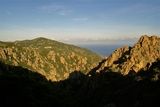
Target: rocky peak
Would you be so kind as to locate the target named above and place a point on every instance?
(143, 38)
(146, 40)
(140, 56)
(117, 54)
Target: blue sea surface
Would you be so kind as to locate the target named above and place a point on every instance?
(106, 47)
(101, 49)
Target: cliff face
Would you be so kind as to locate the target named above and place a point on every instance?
(50, 58)
(140, 56)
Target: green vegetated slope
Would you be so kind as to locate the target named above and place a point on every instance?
(53, 59)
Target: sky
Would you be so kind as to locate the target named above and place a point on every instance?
(78, 19)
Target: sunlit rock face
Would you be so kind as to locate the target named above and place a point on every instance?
(140, 56)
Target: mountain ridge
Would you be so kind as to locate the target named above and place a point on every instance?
(126, 59)
(106, 88)
(53, 59)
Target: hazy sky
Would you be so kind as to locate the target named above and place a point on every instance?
(78, 19)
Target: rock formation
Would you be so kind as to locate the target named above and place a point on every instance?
(126, 59)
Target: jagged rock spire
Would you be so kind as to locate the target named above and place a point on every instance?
(140, 56)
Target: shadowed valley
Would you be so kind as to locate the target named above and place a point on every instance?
(109, 84)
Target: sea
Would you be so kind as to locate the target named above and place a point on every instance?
(103, 50)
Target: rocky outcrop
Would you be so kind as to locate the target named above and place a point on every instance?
(140, 56)
(50, 58)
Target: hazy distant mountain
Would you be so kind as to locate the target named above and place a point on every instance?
(141, 56)
(50, 58)
(99, 41)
